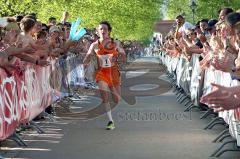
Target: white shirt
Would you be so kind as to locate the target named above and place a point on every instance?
(185, 26)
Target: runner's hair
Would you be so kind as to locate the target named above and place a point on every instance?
(107, 24)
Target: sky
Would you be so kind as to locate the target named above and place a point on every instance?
(164, 9)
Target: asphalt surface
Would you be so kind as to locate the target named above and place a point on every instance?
(149, 124)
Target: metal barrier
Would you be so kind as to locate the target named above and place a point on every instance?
(191, 83)
(25, 95)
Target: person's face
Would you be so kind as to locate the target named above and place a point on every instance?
(222, 15)
(53, 22)
(44, 28)
(203, 26)
(171, 40)
(54, 34)
(192, 35)
(180, 21)
(87, 44)
(103, 31)
(41, 41)
(237, 33)
(36, 28)
(11, 36)
(198, 30)
(61, 27)
(225, 30)
(213, 30)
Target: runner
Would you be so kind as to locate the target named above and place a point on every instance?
(108, 52)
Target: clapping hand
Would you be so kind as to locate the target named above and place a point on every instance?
(222, 98)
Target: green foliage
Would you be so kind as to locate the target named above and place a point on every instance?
(130, 19)
(205, 9)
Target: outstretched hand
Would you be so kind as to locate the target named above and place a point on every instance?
(224, 64)
(43, 63)
(28, 50)
(222, 98)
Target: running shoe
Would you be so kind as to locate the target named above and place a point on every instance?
(110, 125)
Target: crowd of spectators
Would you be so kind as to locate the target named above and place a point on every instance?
(133, 49)
(26, 38)
(218, 43)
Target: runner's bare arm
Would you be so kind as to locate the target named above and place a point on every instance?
(90, 54)
(121, 51)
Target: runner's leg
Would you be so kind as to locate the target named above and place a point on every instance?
(116, 93)
(103, 88)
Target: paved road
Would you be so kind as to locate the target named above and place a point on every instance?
(153, 126)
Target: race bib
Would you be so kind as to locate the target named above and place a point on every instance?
(105, 60)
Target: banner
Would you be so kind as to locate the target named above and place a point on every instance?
(26, 94)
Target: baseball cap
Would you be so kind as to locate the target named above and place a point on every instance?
(54, 29)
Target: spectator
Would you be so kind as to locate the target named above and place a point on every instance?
(192, 39)
(229, 46)
(203, 27)
(182, 26)
(45, 28)
(65, 16)
(31, 17)
(41, 39)
(25, 39)
(55, 42)
(52, 21)
(19, 18)
(223, 13)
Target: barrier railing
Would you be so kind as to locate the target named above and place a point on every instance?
(196, 83)
(25, 95)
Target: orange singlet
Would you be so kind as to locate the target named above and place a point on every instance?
(108, 68)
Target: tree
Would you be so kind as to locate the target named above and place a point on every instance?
(205, 9)
(131, 20)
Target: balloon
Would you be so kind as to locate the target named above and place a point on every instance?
(79, 34)
(72, 30)
(76, 34)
